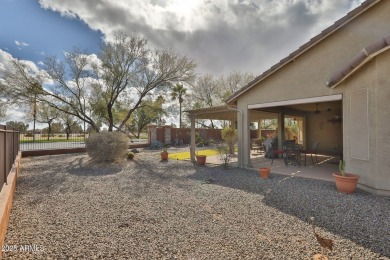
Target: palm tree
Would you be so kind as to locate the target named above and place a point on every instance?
(178, 92)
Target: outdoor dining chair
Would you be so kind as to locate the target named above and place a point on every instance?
(292, 153)
(312, 151)
(276, 152)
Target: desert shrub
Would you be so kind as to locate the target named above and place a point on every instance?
(200, 144)
(130, 155)
(107, 146)
(198, 138)
(156, 145)
(229, 135)
(224, 154)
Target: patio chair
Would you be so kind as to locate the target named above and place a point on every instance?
(257, 145)
(275, 151)
(292, 153)
(312, 151)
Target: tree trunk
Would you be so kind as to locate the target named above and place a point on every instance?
(110, 118)
(48, 132)
(180, 115)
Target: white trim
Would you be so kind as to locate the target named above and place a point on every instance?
(366, 60)
(297, 101)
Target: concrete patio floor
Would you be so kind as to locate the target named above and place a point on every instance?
(327, 164)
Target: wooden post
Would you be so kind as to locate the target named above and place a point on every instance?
(192, 146)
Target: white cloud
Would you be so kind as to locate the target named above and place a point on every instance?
(221, 35)
(21, 44)
(5, 61)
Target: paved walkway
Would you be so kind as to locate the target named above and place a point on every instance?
(327, 165)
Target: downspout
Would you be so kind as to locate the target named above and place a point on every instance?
(240, 144)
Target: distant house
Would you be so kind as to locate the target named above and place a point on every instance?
(337, 85)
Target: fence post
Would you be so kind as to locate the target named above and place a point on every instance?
(152, 133)
(167, 134)
(5, 155)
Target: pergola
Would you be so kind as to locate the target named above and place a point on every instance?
(211, 113)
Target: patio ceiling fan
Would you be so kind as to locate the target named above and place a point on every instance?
(317, 111)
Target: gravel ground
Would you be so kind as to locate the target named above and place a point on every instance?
(66, 207)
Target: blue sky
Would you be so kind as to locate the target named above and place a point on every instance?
(30, 32)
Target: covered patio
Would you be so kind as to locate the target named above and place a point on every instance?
(327, 161)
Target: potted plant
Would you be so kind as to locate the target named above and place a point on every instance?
(130, 155)
(164, 154)
(345, 182)
(201, 159)
(264, 172)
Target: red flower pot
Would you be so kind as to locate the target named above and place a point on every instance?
(201, 159)
(264, 172)
(164, 156)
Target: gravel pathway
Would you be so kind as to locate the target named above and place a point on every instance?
(66, 207)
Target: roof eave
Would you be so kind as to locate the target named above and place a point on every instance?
(343, 77)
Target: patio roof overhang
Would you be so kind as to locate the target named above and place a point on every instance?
(216, 113)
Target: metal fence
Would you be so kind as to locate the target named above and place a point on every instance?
(9, 148)
(40, 141)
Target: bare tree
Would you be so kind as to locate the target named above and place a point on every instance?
(70, 123)
(3, 102)
(22, 85)
(99, 89)
(205, 93)
(148, 112)
(232, 83)
(162, 69)
(209, 90)
(69, 92)
(47, 114)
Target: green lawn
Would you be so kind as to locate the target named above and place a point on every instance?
(186, 155)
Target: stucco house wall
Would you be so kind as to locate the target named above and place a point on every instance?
(328, 135)
(373, 78)
(306, 77)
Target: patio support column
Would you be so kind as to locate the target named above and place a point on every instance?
(239, 122)
(280, 129)
(192, 146)
(246, 161)
(240, 138)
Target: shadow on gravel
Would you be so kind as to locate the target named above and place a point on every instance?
(83, 166)
(361, 217)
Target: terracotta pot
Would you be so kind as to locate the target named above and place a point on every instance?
(264, 172)
(346, 184)
(164, 156)
(201, 159)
